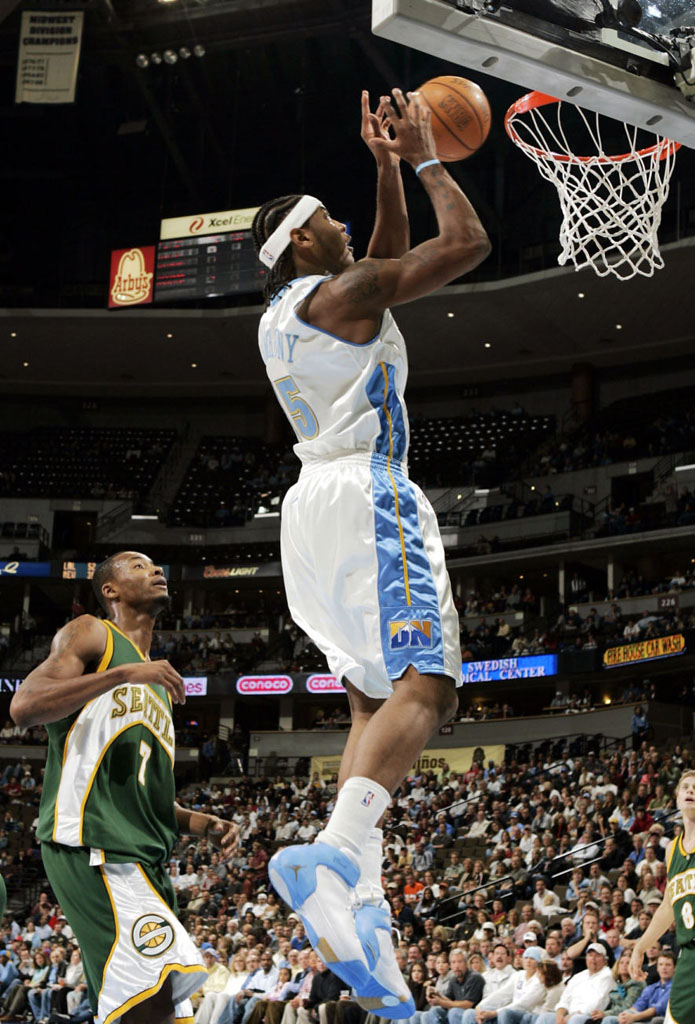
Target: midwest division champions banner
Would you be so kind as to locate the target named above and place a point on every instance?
(49, 52)
(457, 759)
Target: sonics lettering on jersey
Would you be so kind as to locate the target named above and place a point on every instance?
(682, 885)
(277, 343)
(140, 701)
(410, 633)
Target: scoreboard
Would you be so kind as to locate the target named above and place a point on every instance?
(206, 266)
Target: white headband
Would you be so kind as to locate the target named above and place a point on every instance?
(274, 247)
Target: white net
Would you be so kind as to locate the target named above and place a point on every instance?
(611, 205)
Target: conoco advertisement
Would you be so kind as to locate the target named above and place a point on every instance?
(132, 272)
(264, 685)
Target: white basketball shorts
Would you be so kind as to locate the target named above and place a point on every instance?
(363, 565)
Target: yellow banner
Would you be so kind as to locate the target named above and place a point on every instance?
(645, 650)
(208, 223)
(458, 760)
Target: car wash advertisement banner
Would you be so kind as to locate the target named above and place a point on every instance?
(452, 759)
(644, 650)
(49, 54)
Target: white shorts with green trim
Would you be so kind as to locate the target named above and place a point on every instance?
(151, 944)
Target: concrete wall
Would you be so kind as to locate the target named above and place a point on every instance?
(610, 721)
(16, 510)
(598, 477)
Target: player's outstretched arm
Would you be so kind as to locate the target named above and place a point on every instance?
(58, 687)
(391, 235)
(369, 287)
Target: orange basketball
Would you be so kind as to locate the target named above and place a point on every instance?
(460, 115)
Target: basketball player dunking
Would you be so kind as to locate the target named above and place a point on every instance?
(678, 904)
(362, 558)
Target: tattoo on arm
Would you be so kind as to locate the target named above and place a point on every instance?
(441, 183)
(363, 284)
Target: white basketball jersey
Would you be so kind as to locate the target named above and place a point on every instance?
(340, 397)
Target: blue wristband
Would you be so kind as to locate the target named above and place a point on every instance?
(426, 163)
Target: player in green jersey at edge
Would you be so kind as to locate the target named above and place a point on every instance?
(679, 905)
(108, 818)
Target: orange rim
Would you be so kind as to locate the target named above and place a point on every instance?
(533, 100)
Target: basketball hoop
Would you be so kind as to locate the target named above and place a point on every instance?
(611, 205)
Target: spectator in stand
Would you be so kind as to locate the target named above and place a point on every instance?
(234, 992)
(218, 974)
(16, 999)
(287, 1012)
(279, 993)
(418, 985)
(462, 992)
(413, 888)
(495, 977)
(578, 588)
(454, 868)
(518, 991)
(325, 987)
(624, 993)
(640, 727)
(653, 1000)
(591, 934)
(585, 992)
(42, 998)
(546, 903)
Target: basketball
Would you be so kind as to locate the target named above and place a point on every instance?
(460, 116)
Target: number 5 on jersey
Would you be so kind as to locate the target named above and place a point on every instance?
(306, 424)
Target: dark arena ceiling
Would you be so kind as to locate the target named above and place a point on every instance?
(272, 107)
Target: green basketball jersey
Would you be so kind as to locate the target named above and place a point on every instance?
(109, 780)
(681, 889)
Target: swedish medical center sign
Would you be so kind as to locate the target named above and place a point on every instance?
(527, 666)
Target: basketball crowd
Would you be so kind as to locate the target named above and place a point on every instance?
(515, 888)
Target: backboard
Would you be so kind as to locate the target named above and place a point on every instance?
(567, 50)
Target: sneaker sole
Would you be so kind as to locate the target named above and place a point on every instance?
(294, 874)
(375, 997)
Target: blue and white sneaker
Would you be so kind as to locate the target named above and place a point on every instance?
(317, 881)
(386, 993)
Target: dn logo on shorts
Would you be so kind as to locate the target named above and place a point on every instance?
(152, 935)
(410, 633)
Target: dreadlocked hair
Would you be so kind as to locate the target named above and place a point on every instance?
(267, 219)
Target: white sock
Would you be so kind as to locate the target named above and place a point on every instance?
(369, 887)
(360, 804)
